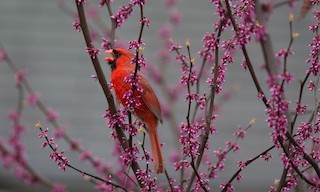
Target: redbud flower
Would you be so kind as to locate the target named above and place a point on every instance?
(170, 3)
(300, 109)
(52, 115)
(122, 15)
(58, 188)
(92, 51)
(145, 21)
(81, 1)
(59, 132)
(229, 187)
(33, 98)
(14, 115)
(310, 85)
(135, 44)
(76, 24)
(20, 75)
(106, 45)
(164, 32)
(3, 54)
(175, 17)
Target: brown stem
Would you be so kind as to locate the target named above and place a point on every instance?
(266, 45)
(168, 179)
(196, 107)
(293, 165)
(246, 56)
(305, 155)
(113, 24)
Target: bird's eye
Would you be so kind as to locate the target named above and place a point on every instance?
(117, 53)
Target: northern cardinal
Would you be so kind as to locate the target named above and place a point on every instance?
(149, 110)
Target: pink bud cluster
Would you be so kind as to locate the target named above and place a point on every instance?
(149, 184)
(122, 15)
(93, 52)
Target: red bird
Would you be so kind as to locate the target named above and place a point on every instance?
(149, 110)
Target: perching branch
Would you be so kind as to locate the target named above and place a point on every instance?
(101, 78)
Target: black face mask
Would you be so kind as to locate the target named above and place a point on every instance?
(113, 63)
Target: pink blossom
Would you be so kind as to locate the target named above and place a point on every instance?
(60, 158)
(130, 155)
(310, 85)
(181, 164)
(92, 12)
(104, 187)
(171, 3)
(75, 144)
(266, 156)
(94, 35)
(145, 21)
(314, 56)
(92, 51)
(138, 2)
(164, 32)
(76, 24)
(19, 76)
(52, 115)
(106, 45)
(59, 132)
(57, 187)
(175, 47)
(240, 133)
(174, 156)
(229, 187)
(175, 17)
(304, 131)
(85, 155)
(33, 98)
(103, 2)
(14, 115)
(149, 184)
(121, 15)
(3, 54)
(81, 1)
(301, 108)
(287, 77)
(135, 44)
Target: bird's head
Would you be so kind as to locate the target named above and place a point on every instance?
(119, 57)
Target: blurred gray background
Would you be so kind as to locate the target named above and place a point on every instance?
(38, 35)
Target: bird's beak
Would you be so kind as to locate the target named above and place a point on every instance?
(109, 59)
(110, 51)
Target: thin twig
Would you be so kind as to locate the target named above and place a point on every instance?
(246, 164)
(209, 112)
(188, 115)
(168, 178)
(113, 24)
(59, 155)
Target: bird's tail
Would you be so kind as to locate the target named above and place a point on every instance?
(155, 147)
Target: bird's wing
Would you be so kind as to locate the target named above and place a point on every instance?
(149, 98)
